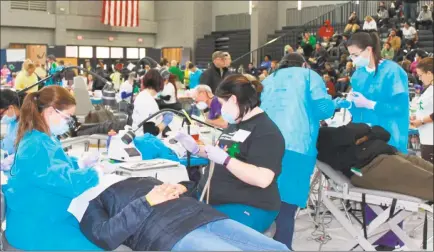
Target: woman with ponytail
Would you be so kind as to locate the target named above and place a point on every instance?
(380, 89)
(43, 179)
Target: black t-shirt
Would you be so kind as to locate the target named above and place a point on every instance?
(264, 147)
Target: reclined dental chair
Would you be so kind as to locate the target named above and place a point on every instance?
(5, 246)
(391, 209)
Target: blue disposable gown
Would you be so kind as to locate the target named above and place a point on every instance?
(151, 148)
(296, 100)
(389, 88)
(52, 71)
(8, 142)
(43, 182)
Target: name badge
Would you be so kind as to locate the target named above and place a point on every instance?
(240, 136)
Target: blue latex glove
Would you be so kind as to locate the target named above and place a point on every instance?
(125, 95)
(216, 154)
(361, 101)
(7, 162)
(167, 118)
(188, 142)
(88, 160)
(341, 103)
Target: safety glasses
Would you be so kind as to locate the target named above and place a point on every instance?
(68, 118)
(353, 56)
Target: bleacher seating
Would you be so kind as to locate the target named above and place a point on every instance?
(426, 40)
(236, 42)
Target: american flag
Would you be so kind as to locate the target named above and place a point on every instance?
(120, 13)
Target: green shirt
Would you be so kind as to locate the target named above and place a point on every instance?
(178, 72)
(387, 54)
(312, 41)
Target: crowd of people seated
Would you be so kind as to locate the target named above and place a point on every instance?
(401, 44)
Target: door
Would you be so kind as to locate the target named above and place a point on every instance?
(172, 54)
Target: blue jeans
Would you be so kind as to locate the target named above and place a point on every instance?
(285, 223)
(227, 235)
(410, 11)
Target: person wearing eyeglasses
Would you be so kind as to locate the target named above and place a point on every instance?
(9, 114)
(380, 89)
(44, 179)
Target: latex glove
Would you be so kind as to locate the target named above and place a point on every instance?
(89, 159)
(342, 103)
(361, 101)
(125, 95)
(99, 169)
(167, 118)
(216, 154)
(188, 142)
(7, 162)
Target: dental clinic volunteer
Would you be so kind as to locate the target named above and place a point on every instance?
(43, 180)
(380, 89)
(247, 157)
(9, 113)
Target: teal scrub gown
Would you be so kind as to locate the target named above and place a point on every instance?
(296, 100)
(42, 184)
(389, 88)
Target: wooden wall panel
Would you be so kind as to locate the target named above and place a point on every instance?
(37, 53)
(172, 54)
(72, 61)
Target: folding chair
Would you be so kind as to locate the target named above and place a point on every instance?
(399, 207)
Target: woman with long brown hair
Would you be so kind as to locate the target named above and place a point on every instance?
(43, 179)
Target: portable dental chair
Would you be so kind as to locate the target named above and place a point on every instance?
(398, 208)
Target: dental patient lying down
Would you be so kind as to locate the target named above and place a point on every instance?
(145, 214)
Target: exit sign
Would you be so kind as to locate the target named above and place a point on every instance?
(111, 38)
(79, 37)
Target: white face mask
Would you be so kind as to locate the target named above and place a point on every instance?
(201, 105)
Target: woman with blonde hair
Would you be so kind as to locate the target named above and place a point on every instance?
(40, 70)
(27, 77)
(369, 24)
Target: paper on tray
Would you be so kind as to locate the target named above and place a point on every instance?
(78, 205)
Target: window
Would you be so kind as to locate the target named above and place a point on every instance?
(71, 51)
(116, 52)
(142, 53)
(103, 52)
(15, 55)
(29, 5)
(85, 52)
(132, 53)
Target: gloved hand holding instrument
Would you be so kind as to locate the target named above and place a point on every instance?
(88, 160)
(213, 153)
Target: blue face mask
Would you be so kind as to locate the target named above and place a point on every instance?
(8, 119)
(59, 129)
(228, 118)
(361, 61)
